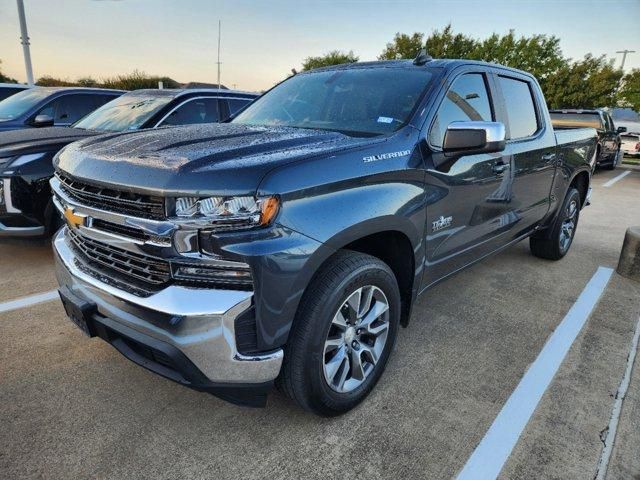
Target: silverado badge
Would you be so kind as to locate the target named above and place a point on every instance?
(74, 220)
(442, 222)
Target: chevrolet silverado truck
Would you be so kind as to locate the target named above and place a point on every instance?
(26, 210)
(288, 245)
(609, 141)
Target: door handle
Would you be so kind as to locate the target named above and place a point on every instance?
(499, 167)
(548, 157)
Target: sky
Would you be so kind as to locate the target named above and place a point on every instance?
(263, 40)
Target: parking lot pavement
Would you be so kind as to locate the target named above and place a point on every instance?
(74, 408)
(26, 268)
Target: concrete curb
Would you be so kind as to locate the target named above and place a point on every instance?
(629, 263)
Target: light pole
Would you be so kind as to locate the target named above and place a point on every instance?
(624, 56)
(24, 39)
(218, 62)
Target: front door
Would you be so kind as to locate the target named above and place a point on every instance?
(468, 198)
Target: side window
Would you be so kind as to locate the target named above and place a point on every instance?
(609, 120)
(466, 100)
(200, 110)
(521, 111)
(68, 109)
(236, 104)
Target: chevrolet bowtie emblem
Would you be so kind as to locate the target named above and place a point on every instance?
(74, 220)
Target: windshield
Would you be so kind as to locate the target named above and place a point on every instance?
(20, 103)
(127, 112)
(357, 101)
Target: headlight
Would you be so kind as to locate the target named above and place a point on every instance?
(229, 213)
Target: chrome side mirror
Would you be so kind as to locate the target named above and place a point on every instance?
(470, 138)
(42, 120)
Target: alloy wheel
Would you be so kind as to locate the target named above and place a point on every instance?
(568, 227)
(356, 339)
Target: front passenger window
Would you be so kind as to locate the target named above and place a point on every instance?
(466, 100)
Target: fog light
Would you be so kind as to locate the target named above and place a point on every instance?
(238, 276)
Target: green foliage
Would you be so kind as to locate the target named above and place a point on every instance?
(630, 90)
(591, 82)
(588, 83)
(403, 46)
(87, 82)
(335, 57)
(132, 81)
(49, 81)
(4, 78)
(136, 81)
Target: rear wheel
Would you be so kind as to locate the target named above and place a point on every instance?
(554, 244)
(343, 334)
(614, 161)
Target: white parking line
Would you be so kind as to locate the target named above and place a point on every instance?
(27, 301)
(617, 178)
(494, 449)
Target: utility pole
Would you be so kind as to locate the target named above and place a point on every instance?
(624, 56)
(218, 62)
(24, 39)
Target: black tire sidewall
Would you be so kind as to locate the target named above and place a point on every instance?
(321, 397)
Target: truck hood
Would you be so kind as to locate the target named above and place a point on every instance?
(35, 140)
(211, 159)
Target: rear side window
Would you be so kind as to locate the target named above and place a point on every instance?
(200, 110)
(236, 104)
(521, 110)
(68, 109)
(466, 100)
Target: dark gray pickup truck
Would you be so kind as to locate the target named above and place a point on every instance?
(290, 244)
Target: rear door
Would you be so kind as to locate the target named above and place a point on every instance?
(469, 210)
(531, 146)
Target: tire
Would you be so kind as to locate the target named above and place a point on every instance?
(554, 243)
(613, 164)
(319, 341)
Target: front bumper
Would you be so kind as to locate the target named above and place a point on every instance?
(193, 327)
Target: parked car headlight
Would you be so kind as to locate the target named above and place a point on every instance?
(229, 212)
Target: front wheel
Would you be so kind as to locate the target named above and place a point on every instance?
(343, 334)
(554, 244)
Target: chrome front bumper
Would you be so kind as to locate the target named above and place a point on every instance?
(198, 322)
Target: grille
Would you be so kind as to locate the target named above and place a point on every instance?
(150, 271)
(128, 203)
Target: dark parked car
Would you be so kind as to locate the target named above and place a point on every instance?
(291, 243)
(48, 106)
(8, 89)
(609, 141)
(25, 155)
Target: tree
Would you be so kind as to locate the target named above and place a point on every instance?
(335, 57)
(630, 91)
(403, 46)
(588, 83)
(591, 82)
(49, 81)
(138, 80)
(4, 78)
(87, 82)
